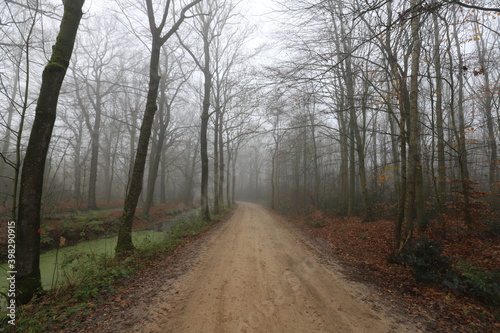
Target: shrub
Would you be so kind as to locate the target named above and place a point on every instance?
(493, 225)
(427, 261)
(482, 284)
(316, 219)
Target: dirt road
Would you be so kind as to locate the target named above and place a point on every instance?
(257, 275)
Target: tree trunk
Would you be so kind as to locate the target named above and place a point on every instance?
(157, 151)
(360, 148)
(188, 192)
(77, 164)
(221, 158)
(352, 176)
(19, 134)
(356, 140)
(28, 280)
(274, 162)
(216, 156)
(5, 154)
(414, 132)
(374, 139)
(163, 180)
(228, 173)
(124, 242)
(441, 159)
(94, 160)
(95, 132)
(395, 154)
(316, 194)
(488, 111)
(205, 210)
(233, 186)
(419, 194)
(401, 88)
(345, 201)
(463, 159)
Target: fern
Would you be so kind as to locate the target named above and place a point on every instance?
(481, 283)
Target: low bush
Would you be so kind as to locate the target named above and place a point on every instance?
(429, 265)
(427, 261)
(493, 224)
(481, 284)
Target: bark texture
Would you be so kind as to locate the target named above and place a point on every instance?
(28, 281)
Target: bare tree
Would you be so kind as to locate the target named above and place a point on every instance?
(159, 38)
(172, 80)
(21, 23)
(28, 280)
(210, 24)
(95, 78)
(413, 145)
(486, 55)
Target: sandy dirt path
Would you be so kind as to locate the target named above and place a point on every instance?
(257, 275)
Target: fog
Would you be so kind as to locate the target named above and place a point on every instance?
(307, 104)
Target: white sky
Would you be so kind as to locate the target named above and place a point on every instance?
(260, 13)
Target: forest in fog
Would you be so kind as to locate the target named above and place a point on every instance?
(380, 109)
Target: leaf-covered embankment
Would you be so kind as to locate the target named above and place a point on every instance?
(454, 302)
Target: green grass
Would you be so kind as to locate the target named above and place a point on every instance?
(91, 276)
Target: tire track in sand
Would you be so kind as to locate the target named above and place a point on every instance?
(256, 275)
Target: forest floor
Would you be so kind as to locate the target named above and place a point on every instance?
(364, 250)
(254, 272)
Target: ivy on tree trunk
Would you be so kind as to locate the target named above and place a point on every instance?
(124, 242)
(28, 279)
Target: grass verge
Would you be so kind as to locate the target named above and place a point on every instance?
(94, 277)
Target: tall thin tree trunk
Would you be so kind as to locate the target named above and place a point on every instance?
(274, 162)
(4, 181)
(124, 242)
(18, 160)
(216, 156)
(441, 172)
(463, 159)
(233, 187)
(205, 210)
(352, 176)
(413, 144)
(357, 138)
(375, 148)
(345, 201)
(190, 179)
(488, 111)
(19, 134)
(221, 158)
(94, 159)
(77, 165)
(395, 154)
(163, 179)
(228, 173)
(157, 150)
(28, 279)
(316, 189)
(401, 88)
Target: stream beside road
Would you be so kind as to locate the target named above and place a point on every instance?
(58, 265)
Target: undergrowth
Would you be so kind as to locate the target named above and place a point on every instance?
(430, 265)
(92, 276)
(455, 272)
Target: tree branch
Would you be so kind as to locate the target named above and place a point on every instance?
(466, 5)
